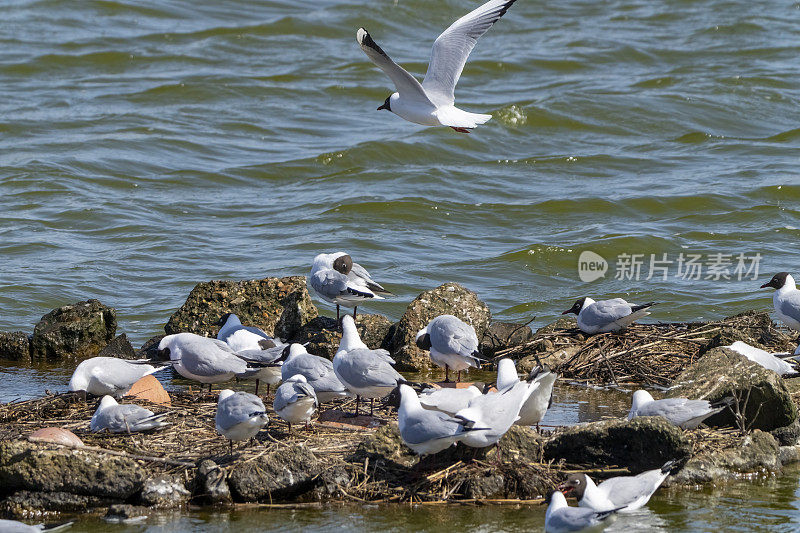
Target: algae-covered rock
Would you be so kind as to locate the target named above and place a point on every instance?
(25, 503)
(119, 347)
(164, 492)
(15, 346)
(74, 331)
(280, 474)
(450, 298)
(279, 306)
(542, 350)
(323, 337)
(788, 435)
(501, 335)
(721, 373)
(639, 444)
(386, 444)
(46, 468)
(756, 328)
(757, 452)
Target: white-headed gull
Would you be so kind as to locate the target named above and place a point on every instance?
(625, 493)
(561, 518)
(130, 418)
(494, 413)
(426, 431)
(448, 400)
(110, 375)
(295, 401)
(431, 103)
(607, 315)
(681, 412)
(539, 401)
(318, 372)
(203, 359)
(13, 526)
(240, 415)
(366, 373)
(241, 338)
(786, 299)
(453, 344)
(764, 358)
(337, 279)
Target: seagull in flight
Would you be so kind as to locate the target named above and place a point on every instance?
(431, 103)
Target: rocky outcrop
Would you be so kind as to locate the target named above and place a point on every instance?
(450, 298)
(756, 452)
(542, 350)
(119, 347)
(164, 492)
(74, 331)
(15, 346)
(45, 468)
(25, 503)
(502, 335)
(280, 474)
(640, 444)
(761, 394)
(756, 328)
(279, 306)
(323, 336)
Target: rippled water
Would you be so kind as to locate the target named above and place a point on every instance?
(146, 146)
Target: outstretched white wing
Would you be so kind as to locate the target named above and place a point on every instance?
(452, 47)
(406, 84)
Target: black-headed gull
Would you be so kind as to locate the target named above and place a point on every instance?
(681, 412)
(130, 418)
(561, 518)
(423, 430)
(625, 493)
(786, 299)
(539, 401)
(607, 315)
(431, 103)
(241, 338)
(295, 401)
(366, 373)
(240, 415)
(337, 279)
(203, 359)
(110, 375)
(448, 400)
(764, 358)
(13, 526)
(318, 372)
(494, 412)
(453, 344)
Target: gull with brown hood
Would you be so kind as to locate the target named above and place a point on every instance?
(786, 299)
(607, 315)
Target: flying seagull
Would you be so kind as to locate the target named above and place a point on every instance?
(431, 103)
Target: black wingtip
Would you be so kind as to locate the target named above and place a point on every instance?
(671, 467)
(635, 308)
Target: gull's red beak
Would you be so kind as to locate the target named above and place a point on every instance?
(764, 286)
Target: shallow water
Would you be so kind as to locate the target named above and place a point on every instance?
(146, 146)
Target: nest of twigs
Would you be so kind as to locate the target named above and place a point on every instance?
(645, 354)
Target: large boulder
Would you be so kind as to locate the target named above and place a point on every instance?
(15, 346)
(542, 349)
(45, 468)
(501, 335)
(640, 444)
(323, 336)
(279, 306)
(280, 474)
(74, 331)
(119, 347)
(720, 373)
(756, 452)
(753, 327)
(447, 299)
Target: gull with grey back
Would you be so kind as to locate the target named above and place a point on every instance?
(607, 315)
(240, 415)
(681, 412)
(561, 518)
(128, 418)
(786, 299)
(453, 344)
(110, 375)
(366, 373)
(295, 401)
(432, 102)
(337, 279)
(318, 372)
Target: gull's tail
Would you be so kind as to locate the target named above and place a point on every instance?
(458, 118)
